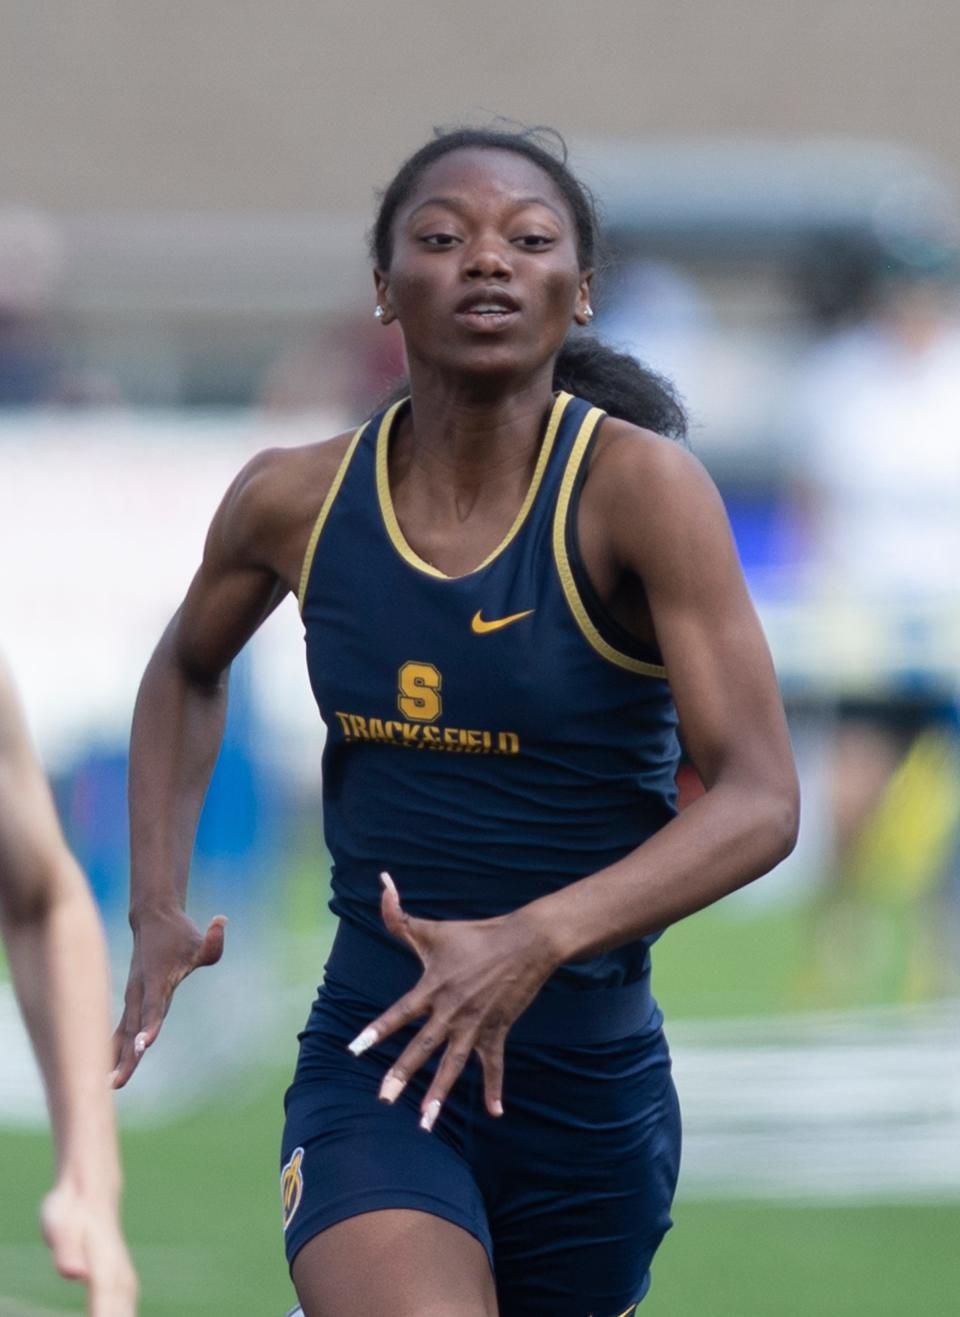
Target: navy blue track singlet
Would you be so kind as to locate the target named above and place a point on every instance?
(486, 742)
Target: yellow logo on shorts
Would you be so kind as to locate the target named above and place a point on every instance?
(291, 1186)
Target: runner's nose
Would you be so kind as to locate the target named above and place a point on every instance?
(486, 259)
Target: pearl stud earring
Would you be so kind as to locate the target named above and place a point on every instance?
(378, 311)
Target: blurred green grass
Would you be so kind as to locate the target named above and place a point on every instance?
(202, 1200)
(202, 1213)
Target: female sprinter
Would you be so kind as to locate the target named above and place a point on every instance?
(509, 600)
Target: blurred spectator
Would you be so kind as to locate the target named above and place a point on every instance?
(835, 279)
(32, 369)
(346, 368)
(31, 263)
(877, 417)
(655, 311)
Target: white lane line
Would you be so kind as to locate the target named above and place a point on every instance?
(850, 1105)
(864, 1105)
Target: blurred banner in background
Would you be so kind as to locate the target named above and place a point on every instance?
(183, 281)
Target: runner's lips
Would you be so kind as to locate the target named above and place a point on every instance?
(492, 297)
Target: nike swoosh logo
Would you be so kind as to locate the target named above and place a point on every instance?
(480, 628)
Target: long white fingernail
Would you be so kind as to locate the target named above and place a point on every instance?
(429, 1117)
(389, 884)
(112, 1077)
(498, 1108)
(140, 1044)
(363, 1040)
(391, 1088)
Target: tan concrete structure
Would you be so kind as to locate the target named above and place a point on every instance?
(306, 105)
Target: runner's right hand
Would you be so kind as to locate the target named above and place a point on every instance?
(167, 947)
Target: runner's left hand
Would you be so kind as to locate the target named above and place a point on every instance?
(478, 977)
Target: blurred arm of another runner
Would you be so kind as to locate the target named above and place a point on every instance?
(58, 961)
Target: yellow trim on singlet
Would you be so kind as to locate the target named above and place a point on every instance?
(577, 608)
(322, 517)
(390, 516)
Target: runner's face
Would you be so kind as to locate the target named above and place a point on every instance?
(484, 277)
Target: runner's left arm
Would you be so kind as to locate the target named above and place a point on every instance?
(666, 524)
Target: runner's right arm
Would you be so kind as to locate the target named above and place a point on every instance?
(177, 730)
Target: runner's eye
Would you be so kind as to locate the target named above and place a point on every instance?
(534, 241)
(439, 239)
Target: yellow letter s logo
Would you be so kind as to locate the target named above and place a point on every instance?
(419, 691)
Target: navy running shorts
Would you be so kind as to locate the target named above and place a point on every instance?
(569, 1192)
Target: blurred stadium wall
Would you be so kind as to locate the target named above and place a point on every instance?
(304, 106)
